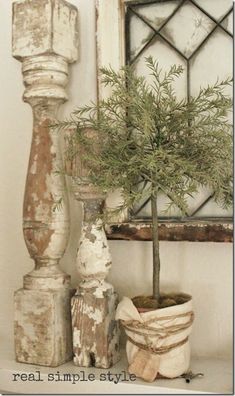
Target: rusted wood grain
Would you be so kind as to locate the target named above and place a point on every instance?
(190, 231)
(95, 330)
(45, 41)
(43, 326)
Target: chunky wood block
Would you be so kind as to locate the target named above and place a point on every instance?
(43, 326)
(44, 27)
(95, 331)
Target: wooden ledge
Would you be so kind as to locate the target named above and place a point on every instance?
(193, 231)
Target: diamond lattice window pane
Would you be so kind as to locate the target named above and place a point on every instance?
(140, 34)
(209, 59)
(188, 28)
(157, 14)
(228, 23)
(206, 69)
(162, 202)
(216, 8)
(166, 57)
(211, 209)
(194, 203)
(197, 200)
(215, 59)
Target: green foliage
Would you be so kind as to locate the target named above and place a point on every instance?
(147, 140)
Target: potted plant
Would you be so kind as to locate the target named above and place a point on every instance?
(147, 141)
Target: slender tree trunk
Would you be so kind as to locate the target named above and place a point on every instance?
(156, 257)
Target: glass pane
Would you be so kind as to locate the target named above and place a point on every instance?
(166, 57)
(216, 8)
(198, 199)
(228, 23)
(140, 34)
(194, 203)
(187, 29)
(213, 60)
(162, 203)
(211, 209)
(206, 69)
(156, 14)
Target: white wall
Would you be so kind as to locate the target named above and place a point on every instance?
(202, 269)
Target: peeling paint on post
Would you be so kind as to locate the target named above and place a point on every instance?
(45, 40)
(95, 330)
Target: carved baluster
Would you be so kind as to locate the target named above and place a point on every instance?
(95, 331)
(45, 41)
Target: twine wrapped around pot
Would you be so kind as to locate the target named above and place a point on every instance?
(157, 341)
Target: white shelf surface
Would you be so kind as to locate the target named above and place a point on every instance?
(218, 379)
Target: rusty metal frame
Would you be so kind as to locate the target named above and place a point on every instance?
(203, 231)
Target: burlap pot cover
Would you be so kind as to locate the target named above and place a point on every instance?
(157, 342)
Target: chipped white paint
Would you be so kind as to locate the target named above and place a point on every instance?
(45, 40)
(94, 314)
(64, 30)
(42, 327)
(45, 26)
(110, 47)
(101, 290)
(94, 259)
(76, 338)
(33, 167)
(95, 331)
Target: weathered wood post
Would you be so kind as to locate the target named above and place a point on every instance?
(95, 331)
(45, 40)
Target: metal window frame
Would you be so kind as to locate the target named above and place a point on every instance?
(110, 34)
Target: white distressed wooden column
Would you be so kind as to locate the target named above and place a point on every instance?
(95, 330)
(45, 40)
